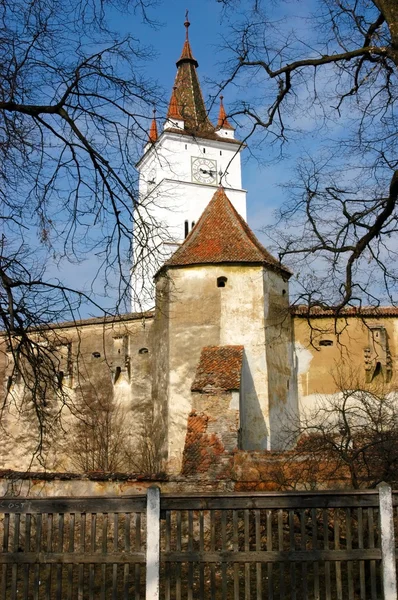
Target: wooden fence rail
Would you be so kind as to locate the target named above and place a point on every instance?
(330, 545)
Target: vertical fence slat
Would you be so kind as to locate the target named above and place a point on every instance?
(292, 564)
(235, 545)
(326, 547)
(212, 547)
(224, 547)
(371, 542)
(246, 517)
(303, 545)
(315, 547)
(257, 516)
(93, 534)
(80, 584)
(49, 569)
(280, 548)
(178, 547)
(152, 543)
(190, 548)
(167, 547)
(269, 548)
(336, 528)
(28, 528)
(127, 549)
(138, 546)
(349, 547)
(115, 549)
(38, 549)
(71, 548)
(14, 568)
(60, 549)
(6, 533)
(388, 564)
(104, 551)
(361, 562)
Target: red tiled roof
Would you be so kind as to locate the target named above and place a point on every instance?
(153, 132)
(222, 116)
(304, 311)
(219, 369)
(222, 236)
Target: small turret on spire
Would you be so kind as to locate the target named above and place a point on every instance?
(153, 132)
(222, 122)
(174, 111)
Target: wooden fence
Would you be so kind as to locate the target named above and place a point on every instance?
(297, 546)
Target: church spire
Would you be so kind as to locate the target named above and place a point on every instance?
(187, 95)
(153, 132)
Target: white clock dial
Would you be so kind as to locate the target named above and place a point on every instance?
(204, 170)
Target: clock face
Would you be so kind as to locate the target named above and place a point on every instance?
(204, 170)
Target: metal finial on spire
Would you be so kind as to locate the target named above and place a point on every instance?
(186, 23)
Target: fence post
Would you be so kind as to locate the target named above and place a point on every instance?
(388, 567)
(152, 543)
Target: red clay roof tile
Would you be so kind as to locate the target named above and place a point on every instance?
(222, 236)
(219, 369)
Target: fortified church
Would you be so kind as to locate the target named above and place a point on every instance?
(213, 364)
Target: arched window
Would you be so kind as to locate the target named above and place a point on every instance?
(221, 281)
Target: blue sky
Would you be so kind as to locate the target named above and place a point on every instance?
(165, 38)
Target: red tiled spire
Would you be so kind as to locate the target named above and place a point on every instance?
(188, 94)
(222, 117)
(222, 236)
(173, 112)
(153, 132)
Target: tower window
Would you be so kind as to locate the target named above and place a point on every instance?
(186, 146)
(221, 281)
(192, 224)
(204, 150)
(186, 228)
(220, 152)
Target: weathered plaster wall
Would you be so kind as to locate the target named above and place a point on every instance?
(282, 378)
(193, 322)
(322, 369)
(105, 365)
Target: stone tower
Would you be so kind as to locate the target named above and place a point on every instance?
(178, 173)
(223, 294)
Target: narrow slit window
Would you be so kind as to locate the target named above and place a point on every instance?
(192, 224)
(220, 152)
(204, 150)
(186, 228)
(326, 343)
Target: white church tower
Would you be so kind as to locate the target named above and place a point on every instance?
(178, 174)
